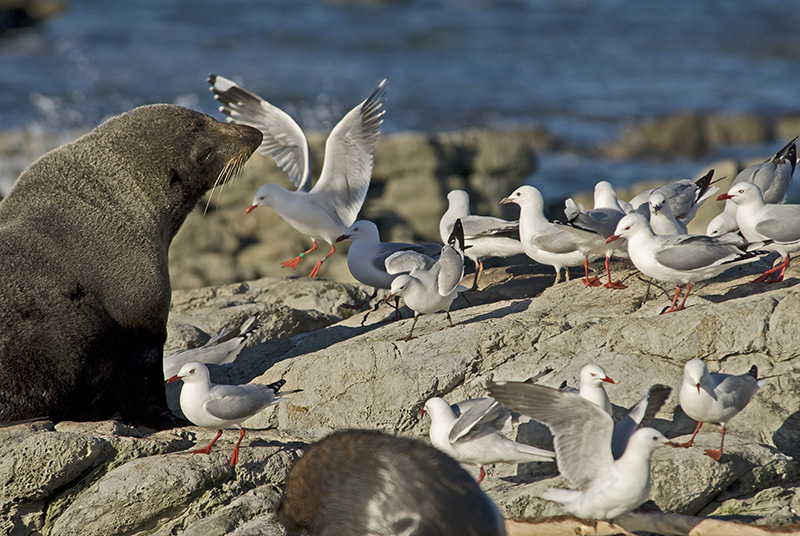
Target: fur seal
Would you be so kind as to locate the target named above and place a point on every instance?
(84, 239)
(368, 482)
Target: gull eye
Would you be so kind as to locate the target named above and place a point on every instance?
(741, 191)
(191, 371)
(355, 230)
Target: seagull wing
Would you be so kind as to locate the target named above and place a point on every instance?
(283, 139)
(478, 417)
(693, 252)
(347, 170)
(406, 261)
(239, 402)
(639, 415)
(582, 431)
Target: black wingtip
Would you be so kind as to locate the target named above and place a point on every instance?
(703, 183)
(457, 235)
(753, 371)
(275, 387)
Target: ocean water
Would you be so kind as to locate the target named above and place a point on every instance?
(582, 69)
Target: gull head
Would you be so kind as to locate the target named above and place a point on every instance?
(594, 375)
(629, 225)
(436, 407)
(743, 193)
(399, 285)
(191, 372)
(693, 372)
(362, 229)
(262, 198)
(657, 202)
(648, 439)
(525, 195)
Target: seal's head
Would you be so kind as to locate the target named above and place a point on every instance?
(188, 152)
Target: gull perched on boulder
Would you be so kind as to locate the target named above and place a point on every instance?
(715, 397)
(677, 259)
(219, 350)
(484, 236)
(325, 211)
(475, 436)
(543, 241)
(773, 177)
(209, 405)
(582, 439)
(766, 226)
(429, 288)
(366, 258)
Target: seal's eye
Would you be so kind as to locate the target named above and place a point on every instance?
(205, 156)
(174, 178)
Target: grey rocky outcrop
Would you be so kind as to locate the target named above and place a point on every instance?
(108, 478)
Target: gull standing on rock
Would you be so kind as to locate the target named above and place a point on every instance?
(366, 258)
(325, 211)
(662, 220)
(591, 388)
(766, 226)
(542, 240)
(582, 440)
(773, 177)
(209, 405)
(684, 196)
(219, 350)
(475, 436)
(715, 397)
(677, 259)
(484, 236)
(425, 288)
(591, 228)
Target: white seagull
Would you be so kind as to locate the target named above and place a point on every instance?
(582, 440)
(773, 177)
(677, 259)
(542, 240)
(662, 220)
(485, 236)
(766, 226)
(684, 196)
(591, 228)
(209, 405)
(219, 350)
(715, 397)
(475, 436)
(325, 211)
(366, 258)
(426, 288)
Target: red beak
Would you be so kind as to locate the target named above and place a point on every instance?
(388, 297)
(174, 378)
(723, 197)
(698, 388)
(611, 238)
(422, 411)
(343, 237)
(250, 209)
(608, 380)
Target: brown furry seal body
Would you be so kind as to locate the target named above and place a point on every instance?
(84, 285)
(356, 482)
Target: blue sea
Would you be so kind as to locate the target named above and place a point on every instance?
(582, 69)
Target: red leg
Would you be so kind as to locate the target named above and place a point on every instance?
(208, 448)
(478, 272)
(235, 456)
(589, 281)
(411, 333)
(612, 284)
(449, 319)
(294, 262)
(674, 300)
(481, 475)
(317, 266)
(683, 301)
(691, 441)
(765, 276)
(717, 454)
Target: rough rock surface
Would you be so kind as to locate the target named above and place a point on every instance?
(107, 478)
